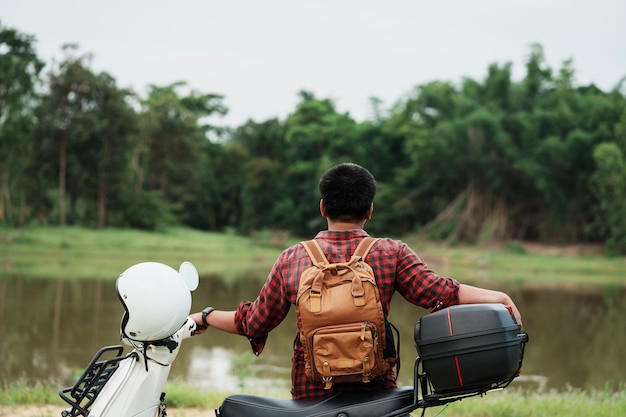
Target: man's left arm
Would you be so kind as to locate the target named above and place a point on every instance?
(222, 320)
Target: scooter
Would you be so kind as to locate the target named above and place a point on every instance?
(157, 300)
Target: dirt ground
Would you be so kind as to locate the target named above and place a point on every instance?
(55, 411)
(563, 250)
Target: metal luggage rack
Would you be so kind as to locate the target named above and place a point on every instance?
(422, 385)
(432, 398)
(90, 383)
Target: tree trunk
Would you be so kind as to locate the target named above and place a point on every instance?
(102, 183)
(5, 194)
(138, 169)
(62, 175)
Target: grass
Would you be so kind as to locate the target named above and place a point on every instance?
(507, 403)
(21, 393)
(513, 403)
(76, 253)
(546, 266)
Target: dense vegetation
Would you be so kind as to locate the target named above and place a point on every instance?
(541, 158)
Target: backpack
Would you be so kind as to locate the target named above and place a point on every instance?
(340, 318)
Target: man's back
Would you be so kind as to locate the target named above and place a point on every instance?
(395, 266)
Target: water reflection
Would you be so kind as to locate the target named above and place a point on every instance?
(52, 328)
(221, 369)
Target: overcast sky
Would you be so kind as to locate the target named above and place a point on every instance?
(260, 53)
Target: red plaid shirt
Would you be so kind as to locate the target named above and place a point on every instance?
(396, 268)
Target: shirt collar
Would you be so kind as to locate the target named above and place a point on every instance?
(341, 234)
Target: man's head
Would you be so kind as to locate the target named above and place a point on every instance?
(347, 192)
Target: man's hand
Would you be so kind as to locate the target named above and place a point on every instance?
(475, 295)
(200, 327)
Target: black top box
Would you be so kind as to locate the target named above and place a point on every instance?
(470, 346)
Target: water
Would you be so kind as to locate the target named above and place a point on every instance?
(52, 328)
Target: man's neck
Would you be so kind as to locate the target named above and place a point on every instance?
(341, 226)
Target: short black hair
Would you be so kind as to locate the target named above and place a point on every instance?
(348, 191)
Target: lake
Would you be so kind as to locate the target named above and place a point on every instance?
(52, 328)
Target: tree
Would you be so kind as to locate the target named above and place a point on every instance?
(609, 187)
(86, 121)
(19, 71)
(67, 119)
(117, 122)
(263, 171)
(167, 156)
(317, 137)
(502, 159)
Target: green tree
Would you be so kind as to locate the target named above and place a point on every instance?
(262, 173)
(418, 194)
(84, 124)
(66, 119)
(117, 124)
(172, 137)
(19, 71)
(502, 159)
(609, 187)
(317, 137)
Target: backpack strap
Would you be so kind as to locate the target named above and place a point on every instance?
(315, 252)
(319, 261)
(317, 255)
(364, 247)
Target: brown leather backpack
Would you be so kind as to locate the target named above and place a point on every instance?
(340, 318)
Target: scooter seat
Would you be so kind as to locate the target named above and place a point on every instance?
(353, 404)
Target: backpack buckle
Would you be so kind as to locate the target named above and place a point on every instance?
(358, 292)
(316, 301)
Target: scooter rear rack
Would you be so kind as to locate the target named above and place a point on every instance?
(84, 392)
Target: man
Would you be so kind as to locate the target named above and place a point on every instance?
(347, 192)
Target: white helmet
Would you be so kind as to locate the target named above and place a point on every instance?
(157, 299)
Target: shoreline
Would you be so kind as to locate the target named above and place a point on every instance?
(53, 410)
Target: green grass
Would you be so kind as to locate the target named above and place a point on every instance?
(513, 403)
(22, 393)
(551, 266)
(507, 403)
(76, 253)
(181, 395)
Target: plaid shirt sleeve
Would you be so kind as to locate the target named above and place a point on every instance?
(421, 286)
(256, 319)
(398, 268)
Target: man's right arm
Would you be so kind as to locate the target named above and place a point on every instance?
(474, 295)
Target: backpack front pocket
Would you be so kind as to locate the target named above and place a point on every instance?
(344, 353)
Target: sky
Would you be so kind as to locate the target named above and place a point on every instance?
(259, 54)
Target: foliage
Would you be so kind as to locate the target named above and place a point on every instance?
(19, 71)
(609, 186)
(489, 160)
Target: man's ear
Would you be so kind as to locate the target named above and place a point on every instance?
(322, 208)
(370, 211)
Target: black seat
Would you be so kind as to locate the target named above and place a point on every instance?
(352, 404)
